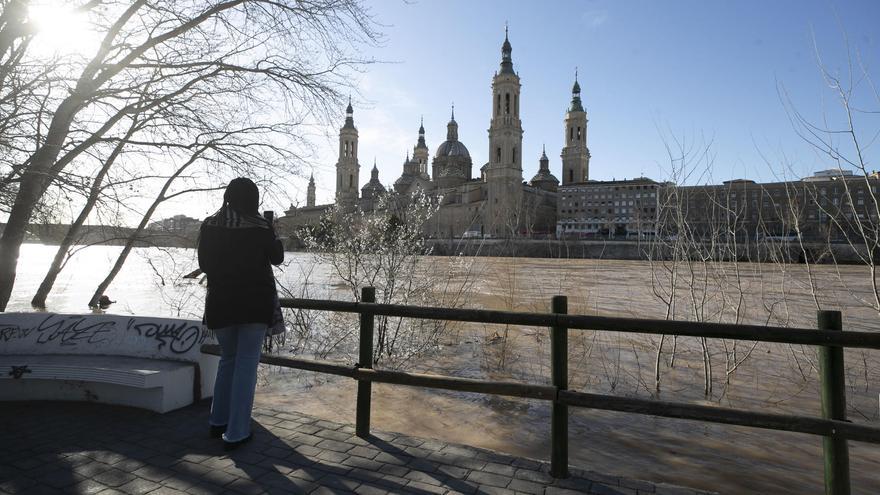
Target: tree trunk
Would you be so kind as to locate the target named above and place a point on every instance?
(657, 364)
(33, 184)
(39, 299)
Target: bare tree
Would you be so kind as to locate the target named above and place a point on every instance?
(386, 248)
(273, 61)
(843, 139)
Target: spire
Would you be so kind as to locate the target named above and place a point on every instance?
(452, 127)
(576, 105)
(349, 114)
(544, 163)
(374, 174)
(421, 143)
(310, 191)
(544, 179)
(506, 49)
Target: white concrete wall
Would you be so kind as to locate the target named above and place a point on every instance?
(110, 335)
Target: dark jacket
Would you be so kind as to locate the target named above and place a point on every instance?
(241, 286)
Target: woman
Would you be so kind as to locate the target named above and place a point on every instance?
(237, 248)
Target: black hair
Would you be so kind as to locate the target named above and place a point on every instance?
(243, 196)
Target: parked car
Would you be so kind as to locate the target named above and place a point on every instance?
(471, 234)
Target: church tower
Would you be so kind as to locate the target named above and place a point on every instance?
(575, 154)
(420, 152)
(310, 192)
(347, 166)
(504, 170)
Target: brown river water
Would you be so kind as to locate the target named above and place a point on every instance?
(769, 377)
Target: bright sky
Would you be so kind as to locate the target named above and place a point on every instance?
(688, 68)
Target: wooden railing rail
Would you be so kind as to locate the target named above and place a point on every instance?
(832, 426)
(784, 335)
(677, 410)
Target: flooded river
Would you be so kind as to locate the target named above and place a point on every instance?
(765, 377)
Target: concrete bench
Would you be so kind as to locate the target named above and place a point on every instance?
(151, 363)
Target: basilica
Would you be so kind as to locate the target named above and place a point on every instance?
(496, 202)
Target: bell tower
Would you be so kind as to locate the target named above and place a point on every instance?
(504, 170)
(347, 167)
(310, 192)
(575, 155)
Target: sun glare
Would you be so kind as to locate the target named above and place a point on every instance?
(61, 30)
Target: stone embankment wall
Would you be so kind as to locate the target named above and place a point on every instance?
(53, 234)
(635, 250)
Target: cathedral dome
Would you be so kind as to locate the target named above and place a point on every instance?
(452, 148)
(373, 188)
(544, 179)
(452, 161)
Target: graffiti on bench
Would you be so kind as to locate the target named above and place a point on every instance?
(102, 334)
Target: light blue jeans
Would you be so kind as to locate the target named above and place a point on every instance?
(236, 378)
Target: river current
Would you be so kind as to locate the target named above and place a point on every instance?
(770, 377)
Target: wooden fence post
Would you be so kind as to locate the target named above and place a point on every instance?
(559, 374)
(831, 371)
(365, 360)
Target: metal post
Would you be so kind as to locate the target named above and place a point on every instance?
(831, 371)
(559, 373)
(365, 360)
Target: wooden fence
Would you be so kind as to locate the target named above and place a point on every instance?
(830, 338)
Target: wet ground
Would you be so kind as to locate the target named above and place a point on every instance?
(112, 450)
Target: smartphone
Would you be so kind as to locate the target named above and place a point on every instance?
(269, 215)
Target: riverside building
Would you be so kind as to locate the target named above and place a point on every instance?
(829, 206)
(608, 209)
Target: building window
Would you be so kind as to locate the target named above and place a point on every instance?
(514, 154)
(579, 133)
(516, 104)
(498, 154)
(507, 103)
(498, 105)
(570, 175)
(350, 180)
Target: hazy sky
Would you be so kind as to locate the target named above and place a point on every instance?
(685, 69)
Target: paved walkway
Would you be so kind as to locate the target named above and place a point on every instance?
(89, 448)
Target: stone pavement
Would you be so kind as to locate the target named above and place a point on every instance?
(59, 447)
